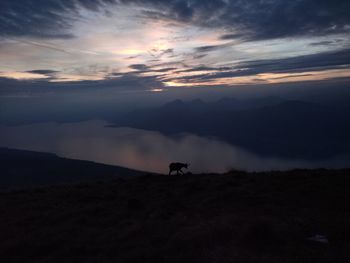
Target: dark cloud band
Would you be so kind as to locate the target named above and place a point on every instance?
(315, 62)
(246, 19)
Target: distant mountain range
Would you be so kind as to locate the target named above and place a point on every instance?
(269, 126)
(20, 168)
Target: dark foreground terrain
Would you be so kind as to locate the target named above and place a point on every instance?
(235, 217)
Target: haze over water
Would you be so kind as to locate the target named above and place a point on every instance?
(144, 150)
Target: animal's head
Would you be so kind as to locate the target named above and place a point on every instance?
(186, 165)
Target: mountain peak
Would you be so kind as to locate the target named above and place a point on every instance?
(174, 103)
(197, 101)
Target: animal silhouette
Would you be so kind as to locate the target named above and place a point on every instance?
(177, 167)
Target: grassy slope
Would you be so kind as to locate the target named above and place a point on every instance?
(236, 217)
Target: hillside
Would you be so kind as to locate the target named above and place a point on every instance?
(233, 217)
(20, 168)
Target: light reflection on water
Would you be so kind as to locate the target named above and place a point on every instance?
(143, 150)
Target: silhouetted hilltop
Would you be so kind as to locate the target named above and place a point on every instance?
(296, 216)
(20, 168)
(175, 104)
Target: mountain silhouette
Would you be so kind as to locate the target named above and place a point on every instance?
(269, 126)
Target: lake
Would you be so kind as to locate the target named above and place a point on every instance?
(145, 150)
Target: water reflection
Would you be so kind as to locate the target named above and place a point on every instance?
(143, 150)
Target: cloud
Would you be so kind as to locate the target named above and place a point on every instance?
(163, 70)
(159, 53)
(43, 18)
(278, 18)
(143, 68)
(247, 20)
(299, 64)
(139, 66)
(148, 77)
(182, 9)
(230, 36)
(257, 20)
(39, 19)
(43, 71)
(209, 48)
(318, 61)
(204, 68)
(252, 20)
(115, 81)
(199, 56)
(322, 43)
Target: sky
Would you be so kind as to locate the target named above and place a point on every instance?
(154, 46)
(71, 61)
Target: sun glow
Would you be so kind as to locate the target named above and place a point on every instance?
(178, 84)
(157, 90)
(22, 75)
(176, 53)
